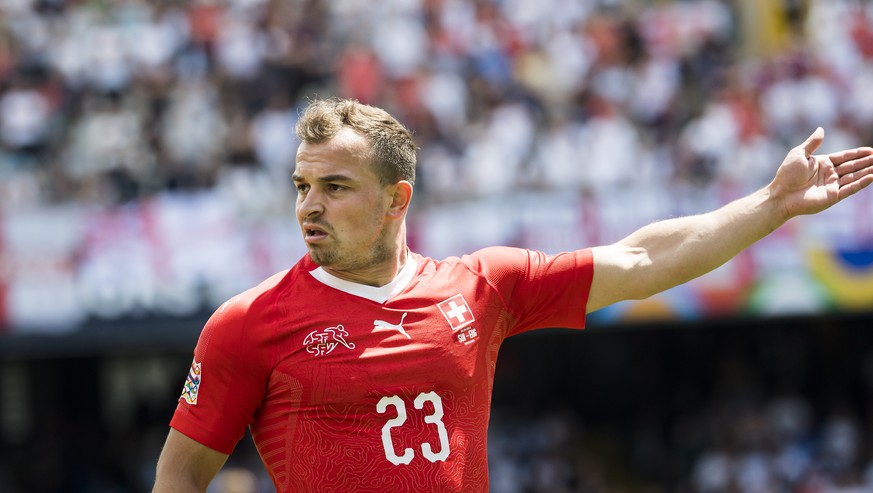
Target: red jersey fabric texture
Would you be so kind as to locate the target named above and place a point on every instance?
(348, 392)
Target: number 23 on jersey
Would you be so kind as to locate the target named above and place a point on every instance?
(435, 419)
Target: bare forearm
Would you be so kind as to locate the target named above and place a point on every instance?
(176, 485)
(674, 251)
(665, 254)
(179, 476)
(186, 466)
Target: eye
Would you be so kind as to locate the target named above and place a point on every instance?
(333, 187)
(302, 187)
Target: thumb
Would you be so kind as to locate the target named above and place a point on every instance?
(813, 141)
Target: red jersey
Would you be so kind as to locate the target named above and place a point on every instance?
(354, 388)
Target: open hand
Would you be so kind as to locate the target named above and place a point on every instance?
(807, 183)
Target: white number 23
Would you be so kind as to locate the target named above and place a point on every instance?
(434, 419)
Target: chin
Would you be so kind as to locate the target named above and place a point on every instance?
(316, 259)
(322, 258)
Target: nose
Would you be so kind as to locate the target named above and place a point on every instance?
(309, 204)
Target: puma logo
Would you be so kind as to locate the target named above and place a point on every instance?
(381, 324)
(321, 342)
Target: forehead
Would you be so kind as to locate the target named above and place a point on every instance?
(347, 150)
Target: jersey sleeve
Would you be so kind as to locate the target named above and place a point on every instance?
(226, 381)
(539, 290)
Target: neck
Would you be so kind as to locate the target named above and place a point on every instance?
(376, 274)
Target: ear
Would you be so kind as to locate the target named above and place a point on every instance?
(400, 199)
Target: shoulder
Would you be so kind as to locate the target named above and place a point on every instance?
(479, 258)
(255, 305)
(502, 264)
(251, 298)
(492, 265)
(502, 258)
(502, 254)
(522, 264)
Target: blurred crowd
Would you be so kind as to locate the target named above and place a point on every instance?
(154, 138)
(110, 102)
(760, 407)
(756, 408)
(753, 444)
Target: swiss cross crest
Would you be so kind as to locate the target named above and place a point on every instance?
(457, 312)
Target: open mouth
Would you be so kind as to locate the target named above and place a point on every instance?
(313, 234)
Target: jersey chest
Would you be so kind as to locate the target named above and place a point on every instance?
(401, 382)
(344, 351)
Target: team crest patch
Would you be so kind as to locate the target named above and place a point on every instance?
(324, 341)
(192, 383)
(457, 312)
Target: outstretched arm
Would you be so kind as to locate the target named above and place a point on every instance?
(186, 466)
(668, 253)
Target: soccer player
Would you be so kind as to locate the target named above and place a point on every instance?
(367, 367)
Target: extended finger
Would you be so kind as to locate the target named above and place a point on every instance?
(855, 186)
(813, 141)
(854, 176)
(850, 154)
(853, 165)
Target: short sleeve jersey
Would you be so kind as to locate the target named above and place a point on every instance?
(347, 387)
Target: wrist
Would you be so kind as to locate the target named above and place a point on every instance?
(774, 203)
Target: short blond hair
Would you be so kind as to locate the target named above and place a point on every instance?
(391, 142)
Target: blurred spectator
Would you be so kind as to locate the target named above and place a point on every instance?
(273, 138)
(24, 119)
(499, 83)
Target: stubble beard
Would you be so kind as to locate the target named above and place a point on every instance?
(334, 257)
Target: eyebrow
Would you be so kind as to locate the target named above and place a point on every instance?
(325, 178)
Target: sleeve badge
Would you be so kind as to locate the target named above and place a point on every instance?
(192, 383)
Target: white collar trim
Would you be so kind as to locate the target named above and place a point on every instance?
(378, 294)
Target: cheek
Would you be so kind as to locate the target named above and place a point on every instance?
(364, 221)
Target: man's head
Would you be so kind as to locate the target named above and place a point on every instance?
(353, 175)
(393, 151)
